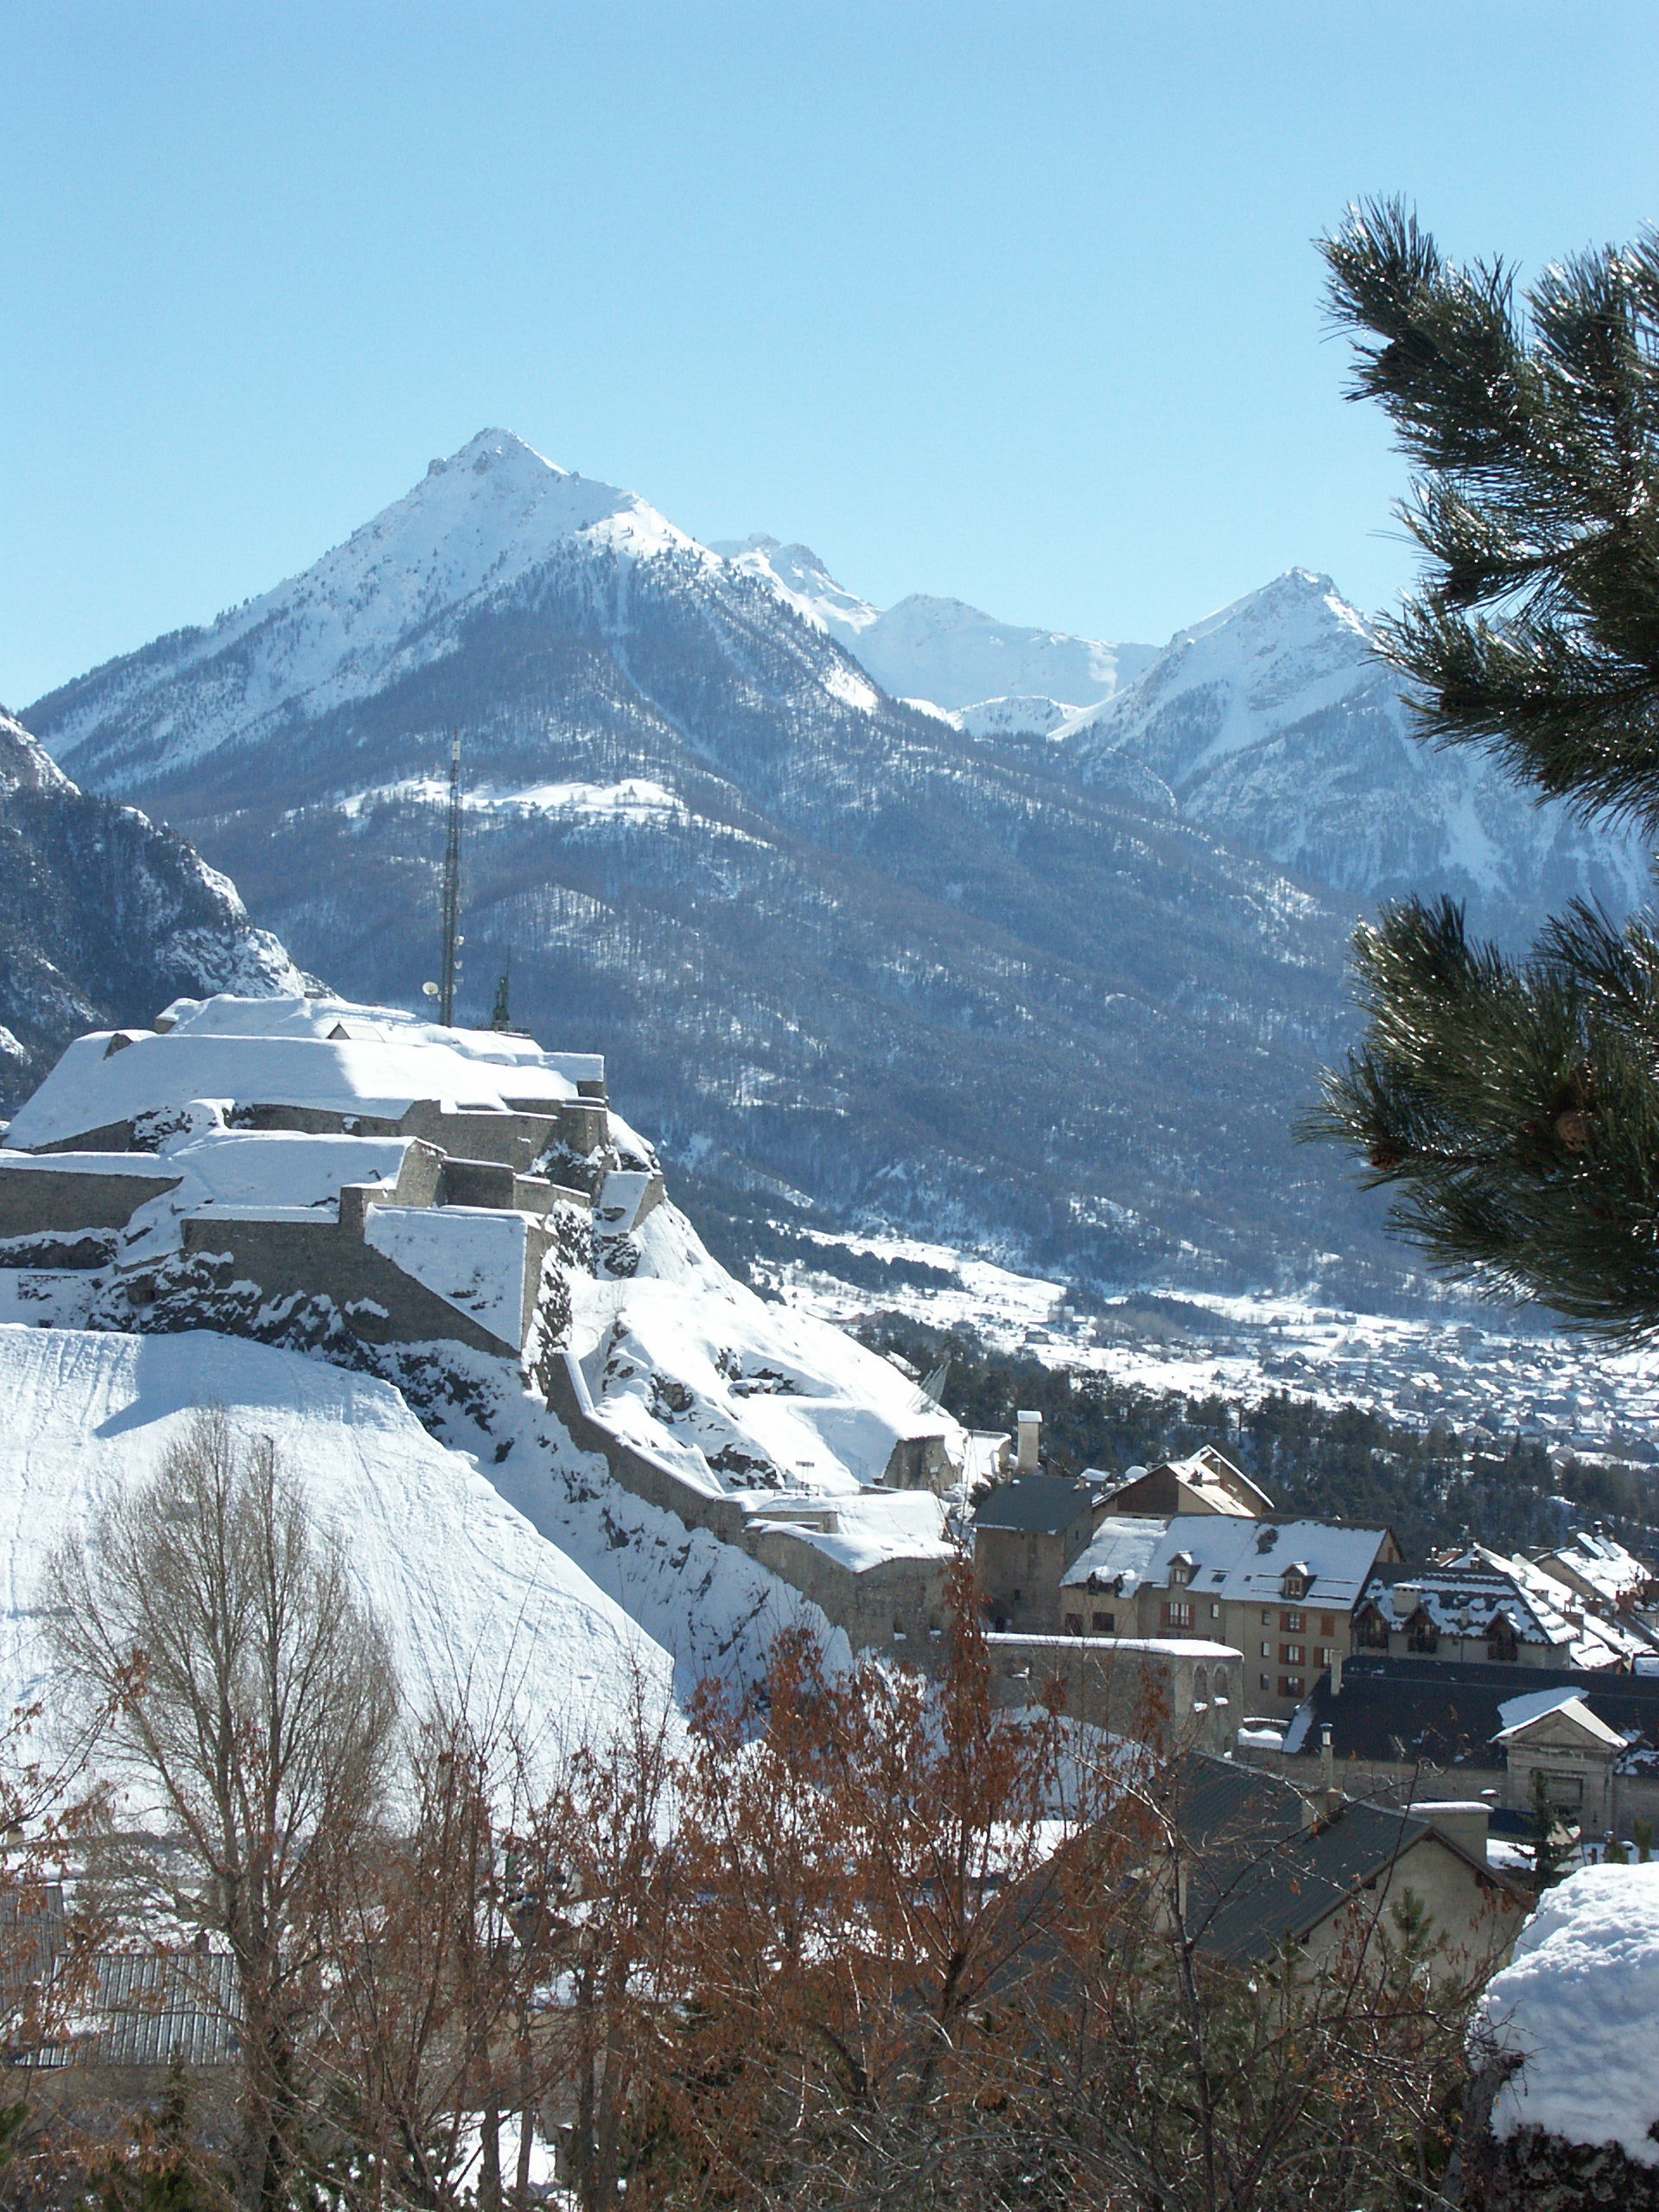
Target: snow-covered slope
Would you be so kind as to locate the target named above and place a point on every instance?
(103, 917)
(474, 1597)
(941, 650)
(1273, 724)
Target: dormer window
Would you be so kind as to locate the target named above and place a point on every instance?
(1182, 1569)
(1502, 1644)
(1421, 1635)
(1178, 1578)
(1296, 1579)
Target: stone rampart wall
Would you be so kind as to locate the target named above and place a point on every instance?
(894, 1604)
(301, 1259)
(39, 1199)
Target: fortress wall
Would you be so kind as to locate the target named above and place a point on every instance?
(377, 1300)
(894, 1605)
(34, 1199)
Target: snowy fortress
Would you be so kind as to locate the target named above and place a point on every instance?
(460, 1212)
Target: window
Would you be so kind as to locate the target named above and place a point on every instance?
(1267, 1681)
(1321, 1654)
(1290, 1686)
(1290, 1655)
(1267, 1651)
(1215, 1612)
(1178, 1578)
(1421, 1635)
(1502, 1644)
(1295, 1585)
(1074, 1624)
(1291, 1621)
(1327, 1624)
(1564, 1792)
(1105, 1624)
(1267, 1617)
(1178, 1615)
(1371, 1630)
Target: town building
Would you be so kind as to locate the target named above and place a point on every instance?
(1207, 1482)
(1282, 1592)
(1271, 1865)
(1610, 1580)
(1392, 1726)
(1479, 1605)
(1026, 1533)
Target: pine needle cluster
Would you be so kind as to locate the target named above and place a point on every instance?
(1512, 1105)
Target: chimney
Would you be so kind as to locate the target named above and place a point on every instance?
(1327, 1767)
(1336, 1672)
(1029, 1428)
(1464, 1820)
(1406, 1597)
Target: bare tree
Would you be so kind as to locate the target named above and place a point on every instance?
(240, 1679)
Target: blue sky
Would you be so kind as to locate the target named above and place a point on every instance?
(1011, 302)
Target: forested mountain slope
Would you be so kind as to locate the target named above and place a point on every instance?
(104, 917)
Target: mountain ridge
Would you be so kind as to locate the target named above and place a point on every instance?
(833, 945)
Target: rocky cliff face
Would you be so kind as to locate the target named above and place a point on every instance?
(104, 917)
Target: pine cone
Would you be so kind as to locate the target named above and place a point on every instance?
(1575, 1129)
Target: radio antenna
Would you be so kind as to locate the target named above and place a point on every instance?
(451, 937)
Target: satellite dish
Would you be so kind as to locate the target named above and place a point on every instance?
(430, 990)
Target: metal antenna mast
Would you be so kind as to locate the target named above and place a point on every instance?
(452, 939)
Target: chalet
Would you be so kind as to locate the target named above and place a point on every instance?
(1283, 1593)
(1026, 1533)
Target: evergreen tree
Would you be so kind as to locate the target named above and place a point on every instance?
(1512, 1105)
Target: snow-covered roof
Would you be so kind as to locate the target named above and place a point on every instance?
(1599, 1563)
(1519, 1712)
(229, 1016)
(1232, 1557)
(1464, 1596)
(1122, 1554)
(1578, 2002)
(320, 1053)
(472, 1256)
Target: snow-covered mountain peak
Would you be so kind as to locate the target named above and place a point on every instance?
(388, 601)
(796, 573)
(1301, 603)
(1291, 648)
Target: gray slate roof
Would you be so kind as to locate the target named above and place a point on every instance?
(1258, 1876)
(1037, 1505)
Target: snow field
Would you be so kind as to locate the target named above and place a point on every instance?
(475, 1601)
